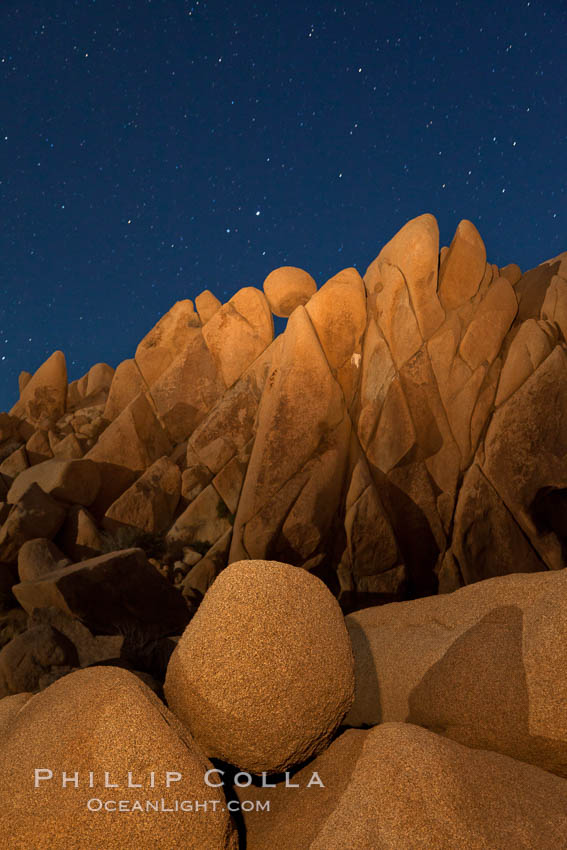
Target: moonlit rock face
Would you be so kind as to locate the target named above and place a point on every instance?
(287, 288)
(263, 674)
(103, 721)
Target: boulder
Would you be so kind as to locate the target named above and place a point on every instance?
(286, 288)
(201, 523)
(159, 348)
(109, 594)
(511, 272)
(531, 290)
(487, 540)
(150, 503)
(44, 395)
(38, 448)
(289, 434)
(194, 477)
(27, 657)
(91, 649)
(23, 380)
(69, 448)
(525, 456)
(463, 267)
(127, 383)
(409, 788)
(533, 342)
(188, 388)
(468, 666)
(108, 723)
(74, 481)
(395, 315)
(554, 307)
(239, 332)
(131, 443)
(492, 321)
(338, 314)
(269, 690)
(399, 786)
(38, 557)
(99, 380)
(207, 305)
(227, 429)
(36, 514)
(79, 536)
(15, 463)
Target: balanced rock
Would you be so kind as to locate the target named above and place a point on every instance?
(287, 288)
(107, 722)
(269, 689)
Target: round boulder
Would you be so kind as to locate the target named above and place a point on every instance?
(287, 288)
(263, 674)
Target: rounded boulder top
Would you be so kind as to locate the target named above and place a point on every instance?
(263, 674)
(287, 288)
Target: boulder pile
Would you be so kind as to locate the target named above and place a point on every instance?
(337, 553)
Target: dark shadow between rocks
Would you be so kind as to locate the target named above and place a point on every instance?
(367, 699)
(549, 513)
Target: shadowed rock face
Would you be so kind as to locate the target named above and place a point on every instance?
(404, 435)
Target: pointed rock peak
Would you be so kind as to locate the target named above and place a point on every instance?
(287, 288)
(207, 305)
(415, 251)
(463, 267)
(44, 394)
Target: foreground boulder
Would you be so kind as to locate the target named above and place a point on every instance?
(269, 688)
(107, 720)
(399, 787)
(484, 666)
(109, 594)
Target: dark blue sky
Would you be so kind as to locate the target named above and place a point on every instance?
(150, 150)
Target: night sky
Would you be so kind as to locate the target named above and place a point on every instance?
(154, 149)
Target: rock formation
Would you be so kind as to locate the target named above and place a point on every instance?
(403, 437)
(269, 690)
